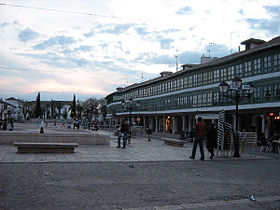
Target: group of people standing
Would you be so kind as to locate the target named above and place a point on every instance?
(201, 132)
(124, 133)
(7, 124)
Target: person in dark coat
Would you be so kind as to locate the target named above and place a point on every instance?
(211, 139)
(122, 133)
(5, 124)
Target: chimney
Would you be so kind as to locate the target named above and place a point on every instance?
(252, 43)
(165, 73)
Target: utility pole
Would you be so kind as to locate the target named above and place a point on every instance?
(176, 56)
(209, 48)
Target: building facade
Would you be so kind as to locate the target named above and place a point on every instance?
(173, 101)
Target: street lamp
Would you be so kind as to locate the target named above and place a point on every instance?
(236, 91)
(128, 105)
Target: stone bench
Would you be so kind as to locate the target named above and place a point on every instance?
(31, 147)
(174, 142)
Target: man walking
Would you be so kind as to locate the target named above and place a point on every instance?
(123, 133)
(200, 134)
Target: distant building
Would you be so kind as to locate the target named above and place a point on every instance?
(173, 101)
(7, 110)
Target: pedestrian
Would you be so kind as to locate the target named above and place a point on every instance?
(211, 139)
(12, 124)
(96, 126)
(5, 124)
(148, 131)
(122, 134)
(200, 135)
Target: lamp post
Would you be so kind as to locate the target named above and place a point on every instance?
(236, 91)
(129, 105)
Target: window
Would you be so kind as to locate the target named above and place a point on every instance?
(216, 76)
(231, 72)
(215, 98)
(204, 99)
(210, 77)
(267, 64)
(199, 79)
(257, 66)
(276, 91)
(169, 86)
(209, 99)
(199, 100)
(185, 82)
(248, 69)
(257, 94)
(173, 85)
(267, 91)
(195, 80)
(277, 62)
(224, 74)
(190, 102)
(239, 70)
(194, 101)
(205, 80)
(190, 81)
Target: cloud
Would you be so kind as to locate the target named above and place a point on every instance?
(116, 29)
(141, 31)
(89, 34)
(189, 57)
(152, 58)
(84, 48)
(53, 41)
(27, 35)
(55, 60)
(3, 25)
(165, 43)
(269, 25)
(185, 11)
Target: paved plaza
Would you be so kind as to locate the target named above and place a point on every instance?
(145, 175)
(139, 150)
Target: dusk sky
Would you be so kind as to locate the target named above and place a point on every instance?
(89, 48)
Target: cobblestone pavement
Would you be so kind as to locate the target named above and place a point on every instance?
(145, 175)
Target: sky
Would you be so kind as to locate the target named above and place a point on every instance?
(91, 47)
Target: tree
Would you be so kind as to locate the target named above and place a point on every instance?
(79, 110)
(73, 108)
(102, 107)
(90, 106)
(38, 110)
